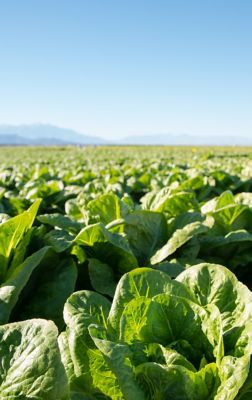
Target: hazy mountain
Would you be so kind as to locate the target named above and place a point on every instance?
(44, 134)
(13, 139)
(183, 139)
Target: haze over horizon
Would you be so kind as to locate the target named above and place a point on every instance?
(116, 69)
(47, 135)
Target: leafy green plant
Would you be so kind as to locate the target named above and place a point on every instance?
(160, 338)
(80, 220)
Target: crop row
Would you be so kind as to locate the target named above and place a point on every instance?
(126, 276)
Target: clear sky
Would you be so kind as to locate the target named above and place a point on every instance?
(114, 68)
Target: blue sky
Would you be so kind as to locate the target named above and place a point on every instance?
(114, 68)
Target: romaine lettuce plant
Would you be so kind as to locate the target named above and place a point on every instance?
(161, 339)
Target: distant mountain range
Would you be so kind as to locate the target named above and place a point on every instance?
(49, 135)
(44, 134)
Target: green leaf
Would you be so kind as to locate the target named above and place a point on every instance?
(225, 199)
(228, 215)
(117, 357)
(75, 383)
(59, 240)
(154, 352)
(167, 319)
(172, 268)
(13, 286)
(233, 373)
(246, 390)
(175, 382)
(185, 219)
(20, 252)
(31, 367)
(244, 198)
(56, 284)
(102, 277)
(146, 232)
(180, 237)
(42, 188)
(60, 221)
(141, 282)
(11, 233)
(111, 248)
(106, 208)
(215, 284)
(81, 310)
(174, 204)
(234, 237)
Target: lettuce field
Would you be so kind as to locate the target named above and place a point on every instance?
(126, 273)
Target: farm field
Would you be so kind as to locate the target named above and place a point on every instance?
(126, 273)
